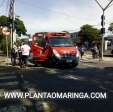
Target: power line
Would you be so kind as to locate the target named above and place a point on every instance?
(45, 9)
(67, 16)
(71, 24)
(55, 11)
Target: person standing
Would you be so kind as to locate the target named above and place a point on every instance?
(13, 55)
(20, 55)
(99, 50)
(25, 50)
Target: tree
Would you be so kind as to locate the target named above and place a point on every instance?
(1, 35)
(110, 28)
(19, 27)
(18, 24)
(3, 21)
(89, 33)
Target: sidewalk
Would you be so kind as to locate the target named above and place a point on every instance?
(4, 60)
(88, 58)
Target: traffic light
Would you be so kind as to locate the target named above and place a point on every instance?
(102, 30)
(102, 20)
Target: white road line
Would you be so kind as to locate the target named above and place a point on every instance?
(8, 83)
(87, 64)
(7, 73)
(7, 77)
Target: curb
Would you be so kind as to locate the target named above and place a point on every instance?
(89, 58)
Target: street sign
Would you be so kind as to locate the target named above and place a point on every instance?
(102, 30)
(5, 31)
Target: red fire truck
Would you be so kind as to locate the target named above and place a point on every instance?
(54, 48)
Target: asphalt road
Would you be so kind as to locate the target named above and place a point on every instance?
(87, 77)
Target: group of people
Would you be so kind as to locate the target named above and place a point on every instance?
(21, 53)
(95, 49)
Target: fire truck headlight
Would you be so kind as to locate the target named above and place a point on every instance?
(56, 54)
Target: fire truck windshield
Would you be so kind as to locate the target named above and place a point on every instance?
(60, 41)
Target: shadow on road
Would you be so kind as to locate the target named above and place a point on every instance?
(80, 79)
(11, 80)
(90, 79)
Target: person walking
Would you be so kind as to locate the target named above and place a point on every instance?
(94, 50)
(82, 50)
(25, 50)
(13, 55)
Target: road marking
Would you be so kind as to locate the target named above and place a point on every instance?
(9, 83)
(7, 77)
(71, 77)
(87, 64)
(111, 91)
(7, 73)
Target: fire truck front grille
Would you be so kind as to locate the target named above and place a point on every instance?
(67, 56)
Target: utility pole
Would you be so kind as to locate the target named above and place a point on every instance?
(103, 23)
(12, 19)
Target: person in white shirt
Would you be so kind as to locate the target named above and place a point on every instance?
(25, 49)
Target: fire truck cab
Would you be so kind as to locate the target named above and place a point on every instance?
(54, 48)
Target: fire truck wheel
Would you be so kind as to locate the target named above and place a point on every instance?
(51, 61)
(35, 62)
(74, 64)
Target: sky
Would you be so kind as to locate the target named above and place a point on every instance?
(60, 15)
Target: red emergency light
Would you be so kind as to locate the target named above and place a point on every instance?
(56, 34)
(39, 34)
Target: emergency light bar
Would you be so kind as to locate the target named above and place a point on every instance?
(57, 34)
(39, 34)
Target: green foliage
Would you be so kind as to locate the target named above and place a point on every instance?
(20, 41)
(89, 33)
(19, 27)
(110, 28)
(18, 24)
(1, 35)
(3, 44)
(3, 21)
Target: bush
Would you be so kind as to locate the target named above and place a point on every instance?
(3, 45)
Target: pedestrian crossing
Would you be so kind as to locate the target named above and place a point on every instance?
(88, 63)
(8, 80)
